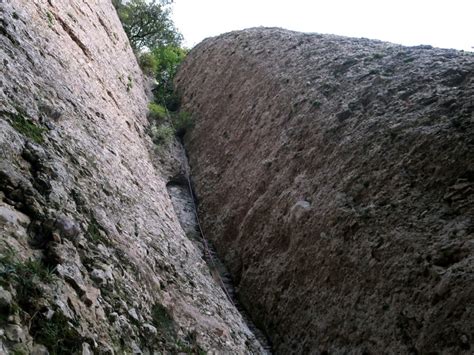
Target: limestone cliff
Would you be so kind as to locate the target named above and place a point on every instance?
(92, 257)
(335, 176)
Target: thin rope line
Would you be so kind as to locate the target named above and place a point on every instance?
(206, 246)
(204, 240)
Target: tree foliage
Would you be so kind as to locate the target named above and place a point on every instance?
(166, 61)
(157, 45)
(148, 25)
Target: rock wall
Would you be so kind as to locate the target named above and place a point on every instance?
(92, 257)
(335, 177)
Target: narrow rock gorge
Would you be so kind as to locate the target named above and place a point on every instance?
(335, 178)
(93, 259)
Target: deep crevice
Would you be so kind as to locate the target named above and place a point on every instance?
(181, 191)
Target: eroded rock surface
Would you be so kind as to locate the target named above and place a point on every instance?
(92, 256)
(335, 177)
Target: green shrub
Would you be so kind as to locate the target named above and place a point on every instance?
(168, 59)
(156, 111)
(148, 24)
(162, 134)
(156, 43)
(27, 278)
(148, 63)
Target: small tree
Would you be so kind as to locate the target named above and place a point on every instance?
(148, 25)
(156, 43)
(167, 59)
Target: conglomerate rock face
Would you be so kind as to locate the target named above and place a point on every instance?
(92, 257)
(335, 177)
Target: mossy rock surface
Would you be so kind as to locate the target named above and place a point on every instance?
(27, 128)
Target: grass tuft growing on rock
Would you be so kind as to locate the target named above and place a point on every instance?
(24, 274)
(27, 128)
(57, 334)
(27, 278)
(166, 125)
(95, 233)
(162, 135)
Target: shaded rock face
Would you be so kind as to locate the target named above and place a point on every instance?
(335, 177)
(92, 256)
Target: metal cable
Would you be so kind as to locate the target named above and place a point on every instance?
(206, 245)
(207, 250)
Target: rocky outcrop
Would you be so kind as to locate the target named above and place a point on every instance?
(92, 257)
(335, 177)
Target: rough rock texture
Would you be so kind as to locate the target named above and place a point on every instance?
(92, 257)
(335, 177)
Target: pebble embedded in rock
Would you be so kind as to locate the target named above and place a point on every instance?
(5, 298)
(67, 227)
(15, 333)
(39, 349)
(98, 276)
(133, 313)
(150, 330)
(113, 316)
(86, 349)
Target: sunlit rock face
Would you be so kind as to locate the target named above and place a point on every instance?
(92, 257)
(335, 177)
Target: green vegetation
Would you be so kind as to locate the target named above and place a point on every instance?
(166, 125)
(26, 277)
(19, 349)
(163, 63)
(162, 134)
(50, 18)
(157, 112)
(57, 334)
(157, 45)
(27, 127)
(148, 24)
(94, 232)
(162, 320)
(148, 64)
